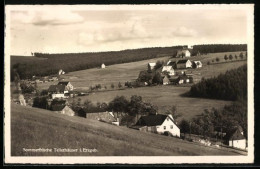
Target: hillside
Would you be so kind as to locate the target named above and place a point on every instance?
(44, 129)
(51, 63)
(84, 79)
(79, 61)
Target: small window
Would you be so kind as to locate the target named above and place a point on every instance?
(164, 127)
(167, 119)
(171, 126)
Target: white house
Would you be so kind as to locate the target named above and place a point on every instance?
(183, 64)
(58, 91)
(151, 66)
(183, 53)
(166, 80)
(61, 72)
(67, 84)
(168, 69)
(197, 64)
(158, 123)
(235, 138)
(103, 66)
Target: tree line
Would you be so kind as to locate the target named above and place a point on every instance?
(217, 48)
(212, 123)
(229, 86)
(44, 64)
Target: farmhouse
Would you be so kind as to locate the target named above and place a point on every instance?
(183, 64)
(63, 109)
(168, 69)
(159, 123)
(103, 66)
(67, 84)
(183, 53)
(102, 116)
(61, 72)
(196, 64)
(151, 66)
(235, 138)
(166, 80)
(58, 91)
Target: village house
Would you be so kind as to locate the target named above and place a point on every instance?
(58, 91)
(183, 64)
(158, 123)
(67, 84)
(235, 138)
(103, 66)
(63, 109)
(166, 80)
(103, 116)
(183, 53)
(168, 69)
(196, 64)
(151, 66)
(61, 72)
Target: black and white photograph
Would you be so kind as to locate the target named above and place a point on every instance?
(130, 84)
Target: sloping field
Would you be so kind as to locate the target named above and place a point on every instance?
(110, 75)
(33, 128)
(162, 96)
(114, 74)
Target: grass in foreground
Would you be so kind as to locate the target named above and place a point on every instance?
(37, 128)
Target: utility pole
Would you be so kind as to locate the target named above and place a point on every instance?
(190, 130)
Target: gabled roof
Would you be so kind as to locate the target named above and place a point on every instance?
(171, 63)
(64, 83)
(234, 134)
(182, 61)
(58, 107)
(152, 120)
(167, 68)
(151, 64)
(56, 88)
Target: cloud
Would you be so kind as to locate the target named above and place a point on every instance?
(184, 32)
(44, 17)
(132, 29)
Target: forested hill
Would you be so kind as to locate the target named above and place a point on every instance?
(44, 64)
(229, 86)
(80, 61)
(217, 48)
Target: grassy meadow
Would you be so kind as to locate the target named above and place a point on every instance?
(34, 128)
(162, 96)
(114, 74)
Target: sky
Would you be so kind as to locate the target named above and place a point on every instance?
(92, 28)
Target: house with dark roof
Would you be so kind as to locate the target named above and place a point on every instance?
(102, 116)
(235, 138)
(183, 64)
(158, 123)
(183, 53)
(184, 79)
(67, 84)
(62, 109)
(58, 91)
(196, 64)
(172, 63)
